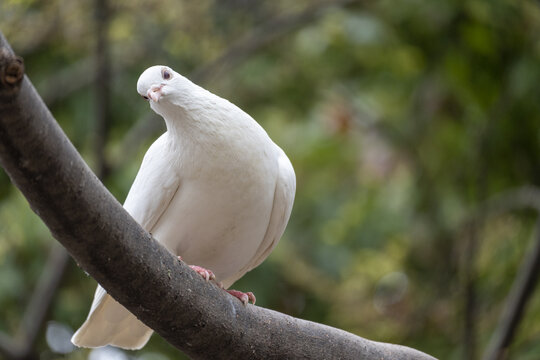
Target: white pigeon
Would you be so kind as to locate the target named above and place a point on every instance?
(214, 189)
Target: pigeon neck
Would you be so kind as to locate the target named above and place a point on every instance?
(197, 116)
(193, 125)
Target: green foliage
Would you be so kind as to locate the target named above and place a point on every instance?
(400, 119)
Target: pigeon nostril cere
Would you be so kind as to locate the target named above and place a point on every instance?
(154, 93)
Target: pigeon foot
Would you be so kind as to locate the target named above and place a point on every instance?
(205, 273)
(245, 298)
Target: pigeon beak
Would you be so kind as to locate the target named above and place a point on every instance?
(154, 92)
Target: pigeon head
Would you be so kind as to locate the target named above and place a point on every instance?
(162, 87)
(180, 101)
(156, 82)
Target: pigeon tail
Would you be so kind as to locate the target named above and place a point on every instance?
(109, 323)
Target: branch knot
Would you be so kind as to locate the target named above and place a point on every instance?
(11, 70)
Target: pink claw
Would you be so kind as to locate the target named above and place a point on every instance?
(205, 273)
(244, 297)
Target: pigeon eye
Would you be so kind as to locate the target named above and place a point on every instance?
(165, 74)
(144, 97)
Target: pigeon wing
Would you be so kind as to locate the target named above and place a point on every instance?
(279, 216)
(151, 193)
(154, 186)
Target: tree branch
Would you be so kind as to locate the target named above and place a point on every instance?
(191, 314)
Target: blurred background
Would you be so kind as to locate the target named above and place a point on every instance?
(413, 127)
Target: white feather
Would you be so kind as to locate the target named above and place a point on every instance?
(214, 189)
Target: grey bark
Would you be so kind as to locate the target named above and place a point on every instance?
(195, 316)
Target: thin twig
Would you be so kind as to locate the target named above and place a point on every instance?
(264, 35)
(102, 87)
(43, 295)
(21, 347)
(516, 302)
(522, 198)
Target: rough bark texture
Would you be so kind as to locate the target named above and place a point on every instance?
(195, 316)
